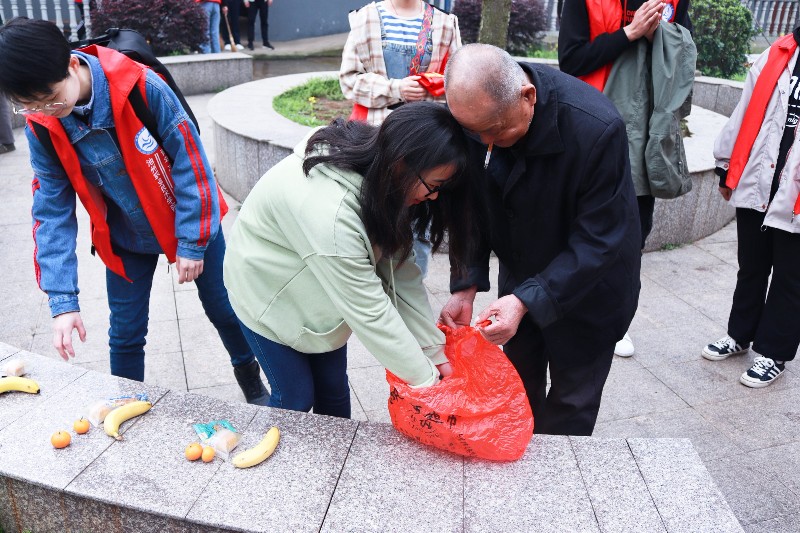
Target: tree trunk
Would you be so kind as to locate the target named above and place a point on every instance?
(494, 22)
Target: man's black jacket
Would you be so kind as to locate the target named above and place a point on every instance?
(561, 215)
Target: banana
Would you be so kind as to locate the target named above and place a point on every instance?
(260, 451)
(116, 417)
(12, 383)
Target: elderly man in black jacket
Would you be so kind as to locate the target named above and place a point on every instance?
(553, 178)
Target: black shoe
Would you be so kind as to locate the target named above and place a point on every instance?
(268, 45)
(249, 378)
(763, 372)
(250, 46)
(5, 148)
(723, 348)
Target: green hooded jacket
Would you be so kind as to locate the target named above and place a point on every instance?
(300, 270)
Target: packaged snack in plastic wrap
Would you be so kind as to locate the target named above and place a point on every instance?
(220, 435)
(14, 367)
(97, 411)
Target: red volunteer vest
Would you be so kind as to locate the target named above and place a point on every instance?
(146, 162)
(606, 16)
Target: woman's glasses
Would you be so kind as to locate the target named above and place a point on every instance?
(19, 109)
(431, 190)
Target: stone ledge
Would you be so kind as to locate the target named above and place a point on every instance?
(327, 474)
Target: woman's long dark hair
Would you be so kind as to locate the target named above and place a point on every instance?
(416, 137)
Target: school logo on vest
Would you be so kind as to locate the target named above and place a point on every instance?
(669, 11)
(145, 142)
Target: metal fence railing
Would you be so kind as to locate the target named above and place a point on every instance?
(774, 17)
(69, 15)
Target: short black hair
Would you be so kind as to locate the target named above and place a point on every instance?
(34, 55)
(416, 137)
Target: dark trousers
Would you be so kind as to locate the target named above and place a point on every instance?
(647, 205)
(258, 8)
(768, 320)
(576, 381)
(233, 19)
(129, 303)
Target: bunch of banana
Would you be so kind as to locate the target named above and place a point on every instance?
(116, 417)
(12, 383)
(260, 451)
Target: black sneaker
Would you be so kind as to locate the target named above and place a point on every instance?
(763, 372)
(250, 46)
(723, 348)
(268, 45)
(5, 148)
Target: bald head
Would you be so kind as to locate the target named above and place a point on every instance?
(481, 71)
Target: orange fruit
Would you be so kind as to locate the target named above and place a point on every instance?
(60, 439)
(208, 454)
(81, 426)
(194, 451)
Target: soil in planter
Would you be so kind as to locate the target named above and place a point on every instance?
(325, 109)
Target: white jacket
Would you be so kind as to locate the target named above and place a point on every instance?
(754, 185)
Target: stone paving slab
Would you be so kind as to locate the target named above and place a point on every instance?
(151, 457)
(51, 379)
(290, 491)
(545, 485)
(697, 505)
(25, 449)
(381, 489)
(619, 495)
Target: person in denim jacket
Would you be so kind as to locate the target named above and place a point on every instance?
(104, 157)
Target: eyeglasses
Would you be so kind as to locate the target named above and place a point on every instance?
(431, 190)
(22, 110)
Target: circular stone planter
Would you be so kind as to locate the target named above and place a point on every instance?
(250, 137)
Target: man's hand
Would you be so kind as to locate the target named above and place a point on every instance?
(457, 312)
(508, 312)
(411, 90)
(726, 193)
(188, 269)
(62, 333)
(645, 20)
(224, 10)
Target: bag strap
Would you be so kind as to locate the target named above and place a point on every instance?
(425, 36)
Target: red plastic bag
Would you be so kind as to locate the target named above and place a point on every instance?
(479, 411)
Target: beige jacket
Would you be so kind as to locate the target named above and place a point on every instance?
(754, 185)
(363, 74)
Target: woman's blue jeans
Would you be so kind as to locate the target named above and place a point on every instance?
(130, 305)
(300, 381)
(212, 10)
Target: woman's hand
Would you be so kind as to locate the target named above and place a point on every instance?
(411, 90)
(445, 369)
(645, 20)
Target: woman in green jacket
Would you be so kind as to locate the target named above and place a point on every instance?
(322, 248)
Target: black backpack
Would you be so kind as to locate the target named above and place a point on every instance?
(134, 45)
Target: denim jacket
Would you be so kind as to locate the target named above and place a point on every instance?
(55, 224)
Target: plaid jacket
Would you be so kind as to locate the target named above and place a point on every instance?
(363, 74)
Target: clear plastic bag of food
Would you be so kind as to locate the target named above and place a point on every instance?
(220, 435)
(97, 411)
(14, 367)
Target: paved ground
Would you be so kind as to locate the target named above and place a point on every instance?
(747, 438)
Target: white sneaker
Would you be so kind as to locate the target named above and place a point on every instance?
(227, 48)
(625, 347)
(239, 46)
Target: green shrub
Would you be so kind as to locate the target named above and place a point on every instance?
(170, 26)
(722, 33)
